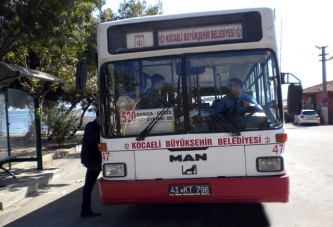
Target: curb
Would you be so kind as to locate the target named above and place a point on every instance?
(29, 182)
(12, 197)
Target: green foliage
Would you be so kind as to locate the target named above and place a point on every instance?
(58, 31)
(60, 122)
(36, 22)
(137, 8)
(106, 15)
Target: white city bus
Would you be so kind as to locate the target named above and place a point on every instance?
(181, 151)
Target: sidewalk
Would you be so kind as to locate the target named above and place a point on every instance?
(29, 180)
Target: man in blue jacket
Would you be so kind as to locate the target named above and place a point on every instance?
(91, 159)
(236, 103)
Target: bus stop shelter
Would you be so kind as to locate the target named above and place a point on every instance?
(20, 115)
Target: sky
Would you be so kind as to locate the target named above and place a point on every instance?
(300, 27)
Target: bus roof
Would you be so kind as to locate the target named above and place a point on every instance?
(117, 40)
(180, 16)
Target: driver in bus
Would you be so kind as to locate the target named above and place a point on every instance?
(236, 102)
(196, 96)
(152, 97)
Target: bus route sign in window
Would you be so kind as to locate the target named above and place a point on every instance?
(133, 122)
(203, 34)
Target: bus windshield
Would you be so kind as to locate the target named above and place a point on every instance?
(182, 93)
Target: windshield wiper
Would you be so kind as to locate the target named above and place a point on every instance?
(226, 125)
(151, 125)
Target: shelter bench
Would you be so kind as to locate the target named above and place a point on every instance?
(6, 160)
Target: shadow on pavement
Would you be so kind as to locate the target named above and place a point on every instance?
(236, 214)
(65, 212)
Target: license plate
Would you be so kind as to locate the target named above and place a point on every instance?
(186, 190)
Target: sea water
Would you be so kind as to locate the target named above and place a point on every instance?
(20, 121)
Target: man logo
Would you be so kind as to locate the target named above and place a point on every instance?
(188, 158)
(190, 171)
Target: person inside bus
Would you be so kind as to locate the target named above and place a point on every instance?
(196, 96)
(152, 97)
(91, 159)
(236, 102)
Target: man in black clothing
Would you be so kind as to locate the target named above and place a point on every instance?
(91, 159)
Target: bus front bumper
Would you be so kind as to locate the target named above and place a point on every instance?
(248, 189)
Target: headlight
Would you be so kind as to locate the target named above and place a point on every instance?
(269, 164)
(114, 170)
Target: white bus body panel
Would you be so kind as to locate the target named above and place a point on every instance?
(220, 161)
(160, 162)
(127, 158)
(253, 152)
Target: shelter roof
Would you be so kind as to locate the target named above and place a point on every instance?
(9, 73)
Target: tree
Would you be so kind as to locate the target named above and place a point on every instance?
(53, 33)
(61, 123)
(128, 8)
(26, 23)
(136, 8)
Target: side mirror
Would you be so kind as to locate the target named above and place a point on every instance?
(289, 78)
(294, 99)
(81, 75)
(283, 78)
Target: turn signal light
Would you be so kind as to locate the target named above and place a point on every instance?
(281, 137)
(102, 147)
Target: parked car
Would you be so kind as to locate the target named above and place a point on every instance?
(307, 117)
(208, 99)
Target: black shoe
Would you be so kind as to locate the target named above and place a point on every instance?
(90, 214)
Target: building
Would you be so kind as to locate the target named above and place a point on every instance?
(313, 99)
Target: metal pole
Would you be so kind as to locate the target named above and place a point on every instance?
(325, 108)
(325, 97)
(38, 134)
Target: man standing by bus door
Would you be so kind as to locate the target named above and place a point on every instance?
(91, 159)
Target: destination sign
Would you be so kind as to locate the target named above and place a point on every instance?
(202, 34)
